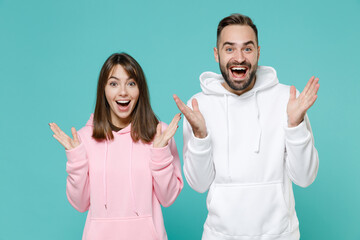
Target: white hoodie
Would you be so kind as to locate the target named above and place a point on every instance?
(248, 159)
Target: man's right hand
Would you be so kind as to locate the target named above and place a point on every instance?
(194, 116)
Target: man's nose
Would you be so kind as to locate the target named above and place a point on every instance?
(239, 56)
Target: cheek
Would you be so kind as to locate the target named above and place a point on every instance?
(223, 61)
(109, 95)
(253, 59)
(135, 93)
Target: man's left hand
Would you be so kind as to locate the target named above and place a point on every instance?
(297, 106)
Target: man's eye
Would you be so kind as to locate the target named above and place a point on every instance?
(247, 49)
(229, 50)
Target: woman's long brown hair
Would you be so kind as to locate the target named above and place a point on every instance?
(143, 119)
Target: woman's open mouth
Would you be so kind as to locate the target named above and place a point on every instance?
(123, 104)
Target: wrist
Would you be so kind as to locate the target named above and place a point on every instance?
(200, 134)
(292, 124)
(159, 145)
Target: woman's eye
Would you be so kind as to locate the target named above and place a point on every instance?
(132, 84)
(113, 84)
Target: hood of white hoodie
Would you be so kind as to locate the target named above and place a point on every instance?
(245, 159)
(211, 82)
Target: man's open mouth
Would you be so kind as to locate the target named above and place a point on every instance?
(239, 71)
(123, 103)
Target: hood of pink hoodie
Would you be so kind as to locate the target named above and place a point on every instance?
(126, 130)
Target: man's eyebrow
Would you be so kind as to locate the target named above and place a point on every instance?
(249, 42)
(244, 44)
(228, 43)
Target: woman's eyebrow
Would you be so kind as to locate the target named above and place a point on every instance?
(119, 79)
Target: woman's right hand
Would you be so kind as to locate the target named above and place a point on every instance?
(64, 139)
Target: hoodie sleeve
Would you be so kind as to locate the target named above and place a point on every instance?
(77, 182)
(166, 171)
(302, 160)
(199, 168)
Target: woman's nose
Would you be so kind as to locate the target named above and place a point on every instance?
(122, 91)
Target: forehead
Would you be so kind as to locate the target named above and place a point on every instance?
(119, 72)
(237, 34)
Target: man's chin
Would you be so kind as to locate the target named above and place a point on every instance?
(238, 81)
(238, 85)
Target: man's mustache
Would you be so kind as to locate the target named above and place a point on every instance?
(236, 63)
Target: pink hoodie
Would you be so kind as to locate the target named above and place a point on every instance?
(122, 184)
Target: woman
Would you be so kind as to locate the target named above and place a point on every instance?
(122, 165)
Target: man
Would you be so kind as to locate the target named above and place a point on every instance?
(246, 139)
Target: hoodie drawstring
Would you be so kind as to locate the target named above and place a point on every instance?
(258, 134)
(104, 179)
(228, 137)
(105, 163)
(131, 180)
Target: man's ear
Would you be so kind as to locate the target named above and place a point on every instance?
(216, 54)
(258, 53)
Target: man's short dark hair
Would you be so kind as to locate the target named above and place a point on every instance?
(236, 19)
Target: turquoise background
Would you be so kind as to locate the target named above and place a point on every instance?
(51, 53)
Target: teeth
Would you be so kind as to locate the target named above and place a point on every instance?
(123, 102)
(238, 68)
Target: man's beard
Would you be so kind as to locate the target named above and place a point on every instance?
(243, 85)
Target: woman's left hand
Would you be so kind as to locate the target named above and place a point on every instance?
(161, 139)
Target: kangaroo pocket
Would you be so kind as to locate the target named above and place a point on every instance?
(134, 228)
(248, 210)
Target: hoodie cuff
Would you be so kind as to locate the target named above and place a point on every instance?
(160, 157)
(200, 144)
(76, 154)
(298, 134)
